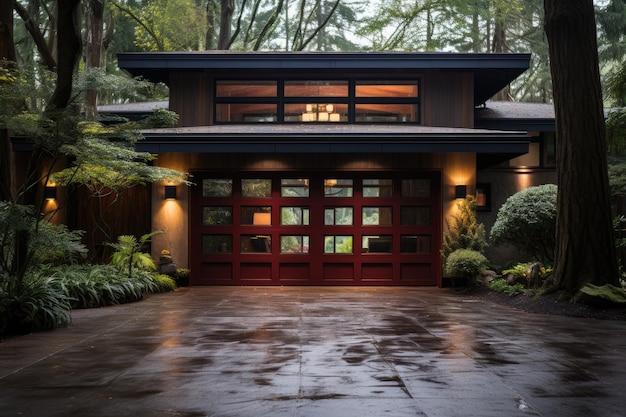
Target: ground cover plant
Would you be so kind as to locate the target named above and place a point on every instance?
(56, 278)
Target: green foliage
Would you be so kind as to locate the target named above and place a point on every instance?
(160, 118)
(500, 285)
(464, 232)
(36, 304)
(616, 131)
(46, 243)
(520, 273)
(465, 263)
(128, 255)
(527, 220)
(617, 176)
(602, 295)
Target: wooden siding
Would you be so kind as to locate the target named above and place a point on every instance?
(448, 99)
(189, 92)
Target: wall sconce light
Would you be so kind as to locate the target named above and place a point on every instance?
(170, 192)
(50, 192)
(460, 191)
(264, 219)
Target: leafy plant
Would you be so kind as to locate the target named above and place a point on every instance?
(128, 253)
(527, 220)
(500, 285)
(37, 304)
(464, 232)
(465, 263)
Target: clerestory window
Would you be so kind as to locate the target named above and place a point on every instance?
(317, 101)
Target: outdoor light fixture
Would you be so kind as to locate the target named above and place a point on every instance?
(320, 113)
(460, 191)
(50, 192)
(170, 192)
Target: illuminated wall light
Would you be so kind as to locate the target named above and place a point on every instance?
(50, 192)
(170, 192)
(460, 191)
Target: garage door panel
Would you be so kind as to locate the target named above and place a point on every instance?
(338, 272)
(304, 228)
(377, 272)
(256, 271)
(294, 272)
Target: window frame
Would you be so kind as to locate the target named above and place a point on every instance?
(351, 100)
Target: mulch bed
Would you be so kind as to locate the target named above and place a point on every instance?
(547, 304)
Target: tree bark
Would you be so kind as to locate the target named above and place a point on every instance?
(68, 37)
(43, 47)
(227, 8)
(585, 248)
(7, 54)
(95, 35)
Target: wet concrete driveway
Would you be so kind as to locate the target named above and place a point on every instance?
(316, 351)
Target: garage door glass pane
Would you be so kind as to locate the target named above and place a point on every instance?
(338, 216)
(419, 245)
(217, 215)
(217, 243)
(377, 188)
(377, 216)
(377, 244)
(217, 187)
(337, 244)
(256, 188)
(414, 216)
(416, 188)
(294, 216)
(294, 187)
(256, 244)
(256, 215)
(294, 244)
(338, 187)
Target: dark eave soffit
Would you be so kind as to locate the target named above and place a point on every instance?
(492, 72)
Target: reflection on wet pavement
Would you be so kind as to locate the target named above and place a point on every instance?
(316, 351)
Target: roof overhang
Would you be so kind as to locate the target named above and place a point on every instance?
(492, 72)
(332, 139)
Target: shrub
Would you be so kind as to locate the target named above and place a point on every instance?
(464, 232)
(465, 263)
(500, 285)
(527, 220)
(37, 304)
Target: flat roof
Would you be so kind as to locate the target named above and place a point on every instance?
(331, 138)
(492, 72)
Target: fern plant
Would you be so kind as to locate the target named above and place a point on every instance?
(128, 255)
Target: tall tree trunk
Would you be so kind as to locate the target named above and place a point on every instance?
(7, 53)
(95, 35)
(585, 249)
(227, 8)
(69, 46)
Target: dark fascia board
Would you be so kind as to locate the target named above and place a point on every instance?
(493, 142)
(312, 60)
(529, 125)
(492, 72)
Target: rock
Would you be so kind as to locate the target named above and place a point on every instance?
(487, 276)
(533, 275)
(167, 265)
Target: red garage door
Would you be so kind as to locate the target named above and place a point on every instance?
(311, 228)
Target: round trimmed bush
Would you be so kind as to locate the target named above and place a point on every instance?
(527, 220)
(465, 263)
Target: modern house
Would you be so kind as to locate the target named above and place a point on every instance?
(333, 168)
